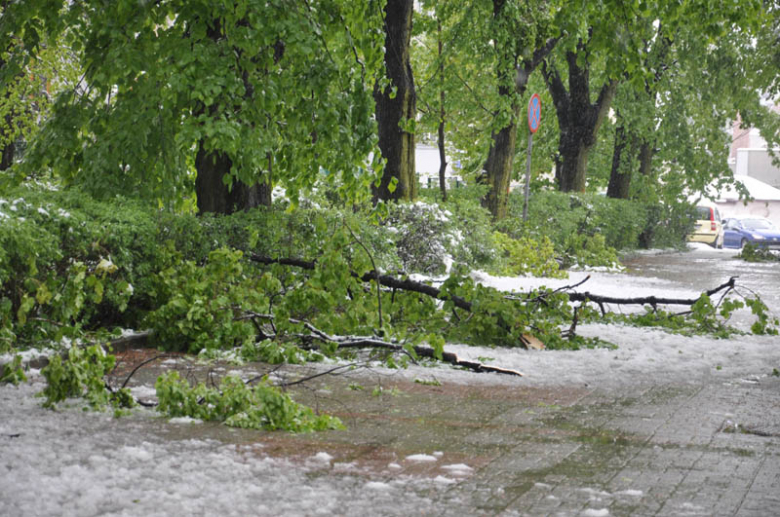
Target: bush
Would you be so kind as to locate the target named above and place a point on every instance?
(526, 256)
(559, 215)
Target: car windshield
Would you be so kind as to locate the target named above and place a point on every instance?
(757, 224)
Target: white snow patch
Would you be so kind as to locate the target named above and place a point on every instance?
(323, 457)
(592, 512)
(394, 466)
(378, 485)
(421, 458)
(141, 453)
(632, 493)
(443, 480)
(458, 469)
(143, 391)
(184, 420)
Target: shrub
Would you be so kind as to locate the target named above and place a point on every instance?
(527, 256)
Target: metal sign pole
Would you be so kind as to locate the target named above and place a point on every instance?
(527, 177)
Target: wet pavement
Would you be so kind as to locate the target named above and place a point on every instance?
(706, 445)
(664, 450)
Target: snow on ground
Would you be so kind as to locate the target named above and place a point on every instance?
(70, 462)
(76, 463)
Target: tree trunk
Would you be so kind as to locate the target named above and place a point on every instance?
(397, 103)
(7, 154)
(216, 197)
(646, 152)
(578, 118)
(620, 175)
(497, 172)
(213, 166)
(442, 115)
(7, 158)
(498, 168)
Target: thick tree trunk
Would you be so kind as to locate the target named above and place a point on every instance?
(498, 168)
(397, 103)
(574, 160)
(579, 119)
(499, 164)
(216, 197)
(213, 166)
(620, 175)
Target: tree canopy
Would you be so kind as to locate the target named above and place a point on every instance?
(220, 101)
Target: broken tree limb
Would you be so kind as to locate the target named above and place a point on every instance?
(419, 287)
(461, 303)
(646, 300)
(390, 281)
(421, 351)
(344, 342)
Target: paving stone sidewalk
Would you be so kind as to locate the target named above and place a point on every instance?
(698, 449)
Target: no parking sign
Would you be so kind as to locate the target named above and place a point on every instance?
(534, 112)
(534, 118)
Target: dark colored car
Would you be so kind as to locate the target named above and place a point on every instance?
(754, 230)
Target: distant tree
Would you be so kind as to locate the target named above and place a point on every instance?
(675, 104)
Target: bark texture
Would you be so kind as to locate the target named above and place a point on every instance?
(7, 158)
(442, 118)
(215, 196)
(579, 119)
(497, 171)
(620, 174)
(216, 192)
(395, 103)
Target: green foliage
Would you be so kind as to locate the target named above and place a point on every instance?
(525, 255)
(168, 79)
(753, 253)
(277, 353)
(764, 324)
(705, 318)
(560, 215)
(68, 264)
(428, 382)
(82, 374)
(201, 306)
(237, 405)
(423, 235)
(12, 372)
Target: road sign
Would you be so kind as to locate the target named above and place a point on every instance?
(534, 118)
(534, 112)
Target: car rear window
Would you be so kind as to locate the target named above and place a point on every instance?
(703, 212)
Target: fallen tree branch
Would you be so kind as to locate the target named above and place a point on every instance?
(429, 290)
(344, 342)
(646, 300)
(385, 280)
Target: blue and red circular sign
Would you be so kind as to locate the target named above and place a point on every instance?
(534, 112)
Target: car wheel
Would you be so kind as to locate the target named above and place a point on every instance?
(719, 244)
